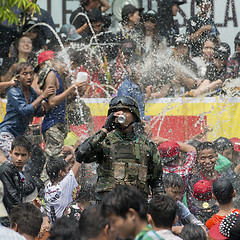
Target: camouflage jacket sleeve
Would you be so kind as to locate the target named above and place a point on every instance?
(91, 149)
(155, 166)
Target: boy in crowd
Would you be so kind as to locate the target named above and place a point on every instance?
(202, 198)
(170, 154)
(174, 188)
(11, 174)
(93, 225)
(58, 192)
(224, 147)
(26, 219)
(207, 157)
(126, 209)
(23, 103)
(162, 216)
(224, 193)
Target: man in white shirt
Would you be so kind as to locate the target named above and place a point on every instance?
(58, 192)
(162, 216)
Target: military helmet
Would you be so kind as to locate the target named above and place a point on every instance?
(124, 102)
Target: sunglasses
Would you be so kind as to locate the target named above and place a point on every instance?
(152, 20)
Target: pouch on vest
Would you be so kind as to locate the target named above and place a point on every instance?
(119, 170)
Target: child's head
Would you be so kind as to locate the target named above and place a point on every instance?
(20, 151)
(193, 232)
(93, 225)
(57, 169)
(125, 206)
(223, 191)
(130, 14)
(174, 185)
(169, 152)
(207, 156)
(26, 218)
(162, 210)
(224, 146)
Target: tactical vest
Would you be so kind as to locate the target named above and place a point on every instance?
(127, 163)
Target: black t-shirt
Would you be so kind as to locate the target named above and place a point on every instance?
(193, 25)
(78, 20)
(213, 74)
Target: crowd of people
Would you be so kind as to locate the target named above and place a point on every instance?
(118, 182)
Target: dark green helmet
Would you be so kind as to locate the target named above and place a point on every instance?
(124, 102)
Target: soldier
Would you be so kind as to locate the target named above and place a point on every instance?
(124, 153)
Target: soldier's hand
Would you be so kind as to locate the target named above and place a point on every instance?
(110, 123)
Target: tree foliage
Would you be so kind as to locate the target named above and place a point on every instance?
(7, 6)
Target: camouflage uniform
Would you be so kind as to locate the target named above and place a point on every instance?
(124, 159)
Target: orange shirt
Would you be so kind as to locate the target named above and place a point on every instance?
(215, 219)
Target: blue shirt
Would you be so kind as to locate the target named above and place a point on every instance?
(131, 89)
(19, 112)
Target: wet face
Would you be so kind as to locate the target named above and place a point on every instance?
(208, 50)
(124, 227)
(25, 45)
(97, 27)
(135, 18)
(126, 112)
(204, 7)
(207, 159)
(182, 50)
(237, 48)
(228, 153)
(20, 156)
(174, 192)
(220, 62)
(175, 9)
(26, 77)
(149, 25)
(94, 4)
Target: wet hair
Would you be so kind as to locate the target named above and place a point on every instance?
(195, 143)
(27, 217)
(64, 228)
(223, 190)
(222, 144)
(95, 15)
(193, 232)
(121, 199)
(211, 38)
(163, 210)
(206, 145)
(173, 180)
(21, 141)
(22, 66)
(53, 167)
(92, 222)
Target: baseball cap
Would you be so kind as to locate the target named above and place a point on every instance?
(229, 228)
(45, 56)
(70, 32)
(129, 9)
(3, 211)
(202, 195)
(168, 150)
(236, 143)
(128, 46)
